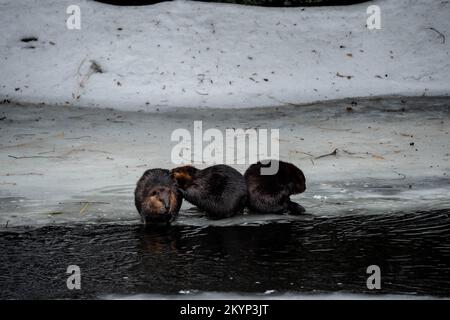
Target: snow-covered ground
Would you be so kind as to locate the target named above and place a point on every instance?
(188, 54)
(69, 164)
(65, 164)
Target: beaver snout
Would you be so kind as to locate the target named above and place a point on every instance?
(157, 218)
(165, 198)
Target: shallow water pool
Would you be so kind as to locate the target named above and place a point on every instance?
(311, 256)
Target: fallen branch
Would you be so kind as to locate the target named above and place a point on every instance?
(403, 176)
(332, 129)
(78, 138)
(23, 174)
(100, 151)
(334, 153)
(83, 209)
(20, 135)
(343, 76)
(16, 145)
(100, 202)
(440, 33)
(84, 150)
(30, 157)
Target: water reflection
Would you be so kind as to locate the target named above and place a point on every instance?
(317, 255)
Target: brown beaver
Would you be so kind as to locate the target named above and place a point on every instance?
(218, 190)
(157, 197)
(271, 193)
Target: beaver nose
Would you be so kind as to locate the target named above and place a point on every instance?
(166, 201)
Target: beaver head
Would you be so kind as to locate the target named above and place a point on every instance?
(184, 176)
(159, 205)
(288, 175)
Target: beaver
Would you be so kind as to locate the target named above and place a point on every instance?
(271, 193)
(157, 197)
(219, 190)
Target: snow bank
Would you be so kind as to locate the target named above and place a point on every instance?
(186, 54)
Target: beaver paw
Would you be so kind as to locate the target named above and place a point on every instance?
(295, 208)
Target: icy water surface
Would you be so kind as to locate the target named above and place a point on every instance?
(310, 255)
(67, 165)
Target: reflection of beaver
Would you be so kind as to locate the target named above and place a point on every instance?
(218, 190)
(270, 193)
(156, 197)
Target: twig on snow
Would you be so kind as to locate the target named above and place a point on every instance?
(334, 153)
(438, 32)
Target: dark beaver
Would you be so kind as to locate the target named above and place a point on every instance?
(218, 190)
(271, 193)
(157, 197)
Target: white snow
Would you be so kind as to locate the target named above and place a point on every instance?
(187, 54)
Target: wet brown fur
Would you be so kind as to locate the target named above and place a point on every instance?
(157, 197)
(271, 193)
(183, 175)
(219, 190)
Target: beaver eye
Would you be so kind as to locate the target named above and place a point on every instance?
(154, 193)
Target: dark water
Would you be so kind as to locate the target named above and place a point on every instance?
(315, 255)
